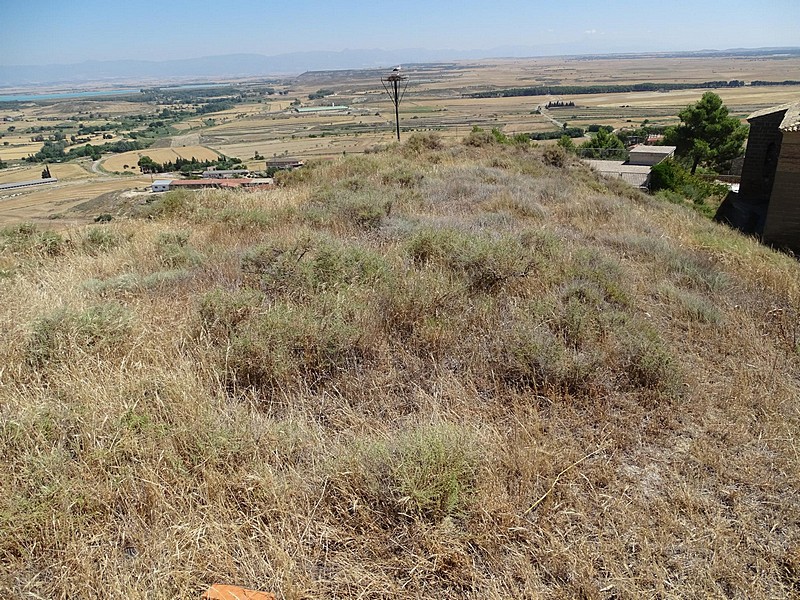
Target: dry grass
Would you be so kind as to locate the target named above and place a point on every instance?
(430, 372)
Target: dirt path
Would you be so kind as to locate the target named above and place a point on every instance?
(550, 118)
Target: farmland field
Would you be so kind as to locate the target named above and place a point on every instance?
(117, 162)
(63, 172)
(53, 206)
(438, 98)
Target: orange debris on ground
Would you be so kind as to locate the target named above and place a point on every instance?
(232, 592)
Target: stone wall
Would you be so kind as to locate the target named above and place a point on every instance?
(761, 158)
(782, 227)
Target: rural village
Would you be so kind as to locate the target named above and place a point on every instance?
(496, 328)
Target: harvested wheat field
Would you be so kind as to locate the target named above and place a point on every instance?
(62, 171)
(117, 162)
(468, 371)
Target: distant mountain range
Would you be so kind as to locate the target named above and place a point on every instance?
(248, 65)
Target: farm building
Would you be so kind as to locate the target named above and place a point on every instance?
(225, 174)
(160, 185)
(635, 170)
(635, 175)
(286, 164)
(198, 184)
(649, 155)
(24, 184)
(322, 109)
(768, 201)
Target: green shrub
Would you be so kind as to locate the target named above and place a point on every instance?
(555, 156)
(49, 243)
(402, 176)
(100, 239)
(128, 283)
(292, 345)
(479, 138)
(361, 208)
(26, 237)
(173, 203)
(425, 473)
(257, 218)
(486, 262)
(98, 330)
(418, 142)
(676, 184)
(221, 311)
(174, 251)
(333, 263)
(646, 362)
(689, 306)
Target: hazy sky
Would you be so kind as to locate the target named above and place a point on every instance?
(63, 31)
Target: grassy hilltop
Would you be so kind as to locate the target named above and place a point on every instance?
(471, 371)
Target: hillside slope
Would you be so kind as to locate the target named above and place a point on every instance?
(423, 373)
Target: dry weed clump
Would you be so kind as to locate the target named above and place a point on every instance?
(425, 372)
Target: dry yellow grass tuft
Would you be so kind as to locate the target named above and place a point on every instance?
(427, 372)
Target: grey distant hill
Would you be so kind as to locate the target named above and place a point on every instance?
(231, 65)
(247, 65)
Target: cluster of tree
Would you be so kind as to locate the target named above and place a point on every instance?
(543, 90)
(759, 82)
(594, 128)
(39, 129)
(559, 104)
(186, 165)
(186, 95)
(51, 151)
(569, 132)
(56, 137)
(638, 135)
(479, 137)
(602, 145)
(319, 94)
(168, 113)
(55, 151)
(217, 105)
(92, 129)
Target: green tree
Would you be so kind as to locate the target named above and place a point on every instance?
(603, 144)
(148, 165)
(566, 143)
(707, 135)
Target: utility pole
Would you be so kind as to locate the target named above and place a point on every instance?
(391, 84)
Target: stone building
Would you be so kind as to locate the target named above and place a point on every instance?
(768, 201)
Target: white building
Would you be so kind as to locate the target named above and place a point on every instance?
(650, 155)
(161, 185)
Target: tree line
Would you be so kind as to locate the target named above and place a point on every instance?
(53, 151)
(186, 165)
(545, 90)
